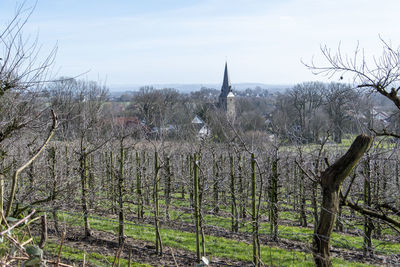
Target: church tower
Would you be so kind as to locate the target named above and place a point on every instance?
(226, 99)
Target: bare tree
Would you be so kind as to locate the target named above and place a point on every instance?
(22, 76)
(81, 104)
(339, 98)
(307, 98)
(331, 181)
(382, 76)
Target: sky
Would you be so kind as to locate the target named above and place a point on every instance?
(140, 42)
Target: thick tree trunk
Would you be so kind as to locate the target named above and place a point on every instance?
(331, 181)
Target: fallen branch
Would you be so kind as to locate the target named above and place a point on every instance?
(16, 244)
(48, 261)
(17, 223)
(59, 250)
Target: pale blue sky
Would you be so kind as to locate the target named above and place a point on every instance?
(188, 41)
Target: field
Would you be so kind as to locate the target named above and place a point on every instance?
(128, 201)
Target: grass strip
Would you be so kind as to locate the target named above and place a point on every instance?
(93, 258)
(215, 246)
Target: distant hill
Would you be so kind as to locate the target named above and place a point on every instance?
(187, 88)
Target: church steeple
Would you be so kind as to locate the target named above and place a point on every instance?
(226, 88)
(226, 84)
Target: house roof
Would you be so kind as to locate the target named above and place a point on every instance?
(197, 120)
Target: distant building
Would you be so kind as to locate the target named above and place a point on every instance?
(204, 132)
(197, 121)
(226, 100)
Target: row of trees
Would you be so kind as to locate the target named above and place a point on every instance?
(122, 177)
(305, 113)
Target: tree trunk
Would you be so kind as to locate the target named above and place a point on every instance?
(234, 212)
(256, 242)
(331, 181)
(196, 205)
(215, 185)
(376, 196)
(167, 186)
(273, 198)
(242, 194)
(368, 224)
(112, 184)
(159, 249)
(183, 177)
(120, 196)
(302, 191)
(314, 195)
(84, 188)
(140, 211)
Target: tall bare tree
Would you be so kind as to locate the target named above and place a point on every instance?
(23, 72)
(339, 100)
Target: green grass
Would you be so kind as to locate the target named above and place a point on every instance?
(92, 258)
(296, 233)
(70, 253)
(215, 246)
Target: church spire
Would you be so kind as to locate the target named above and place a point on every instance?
(226, 84)
(226, 90)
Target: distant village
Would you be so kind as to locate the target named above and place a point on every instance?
(308, 110)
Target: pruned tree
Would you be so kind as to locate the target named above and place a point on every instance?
(331, 182)
(380, 75)
(83, 121)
